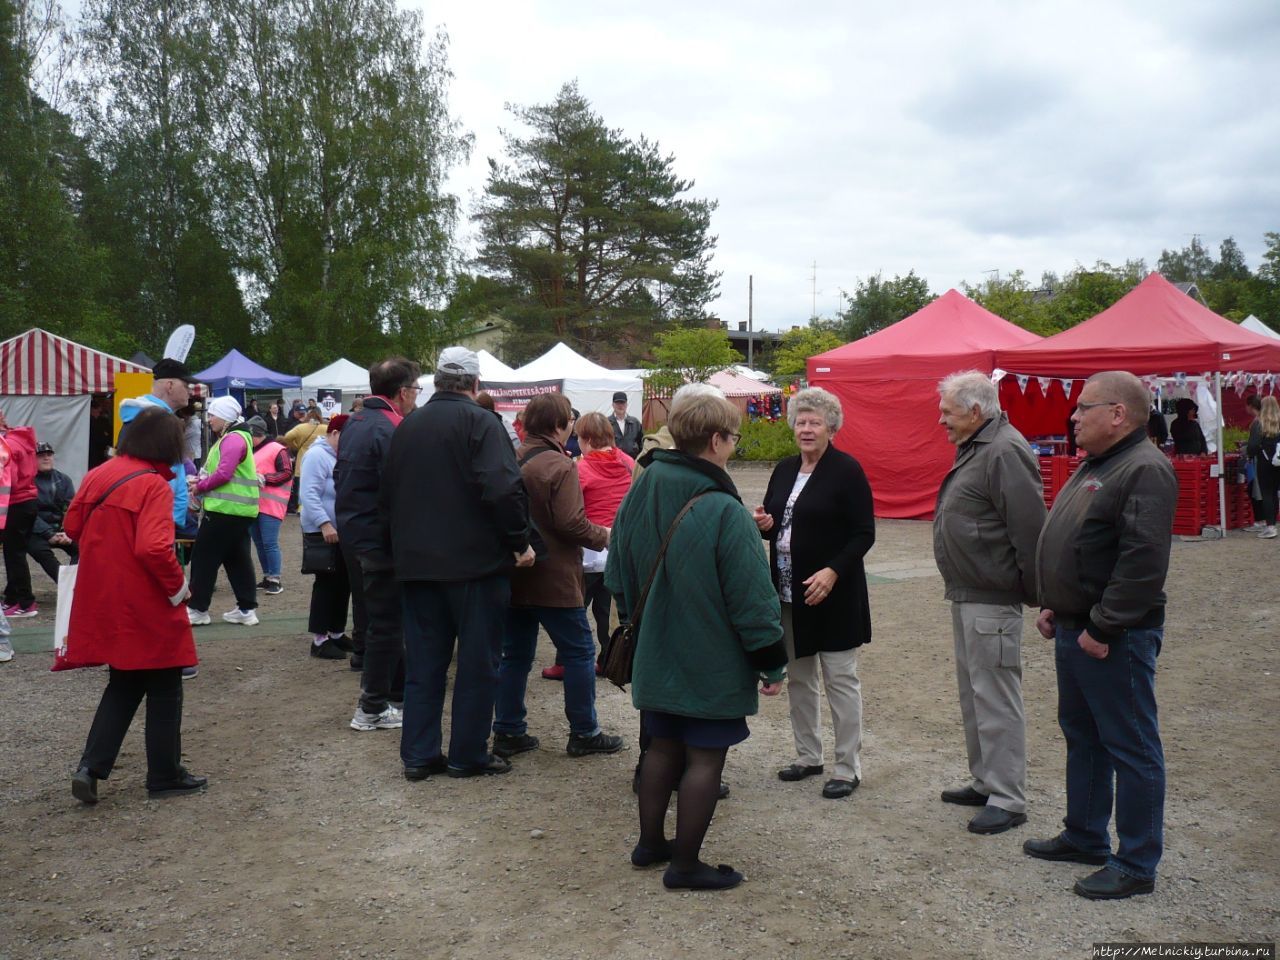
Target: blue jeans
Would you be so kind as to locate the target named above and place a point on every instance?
(575, 648)
(266, 537)
(1107, 711)
(470, 612)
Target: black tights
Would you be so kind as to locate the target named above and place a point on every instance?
(697, 770)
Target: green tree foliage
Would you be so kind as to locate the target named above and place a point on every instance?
(792, 354)
(1191, 264)
(593, 233)
(691, 355)
(877, 303)
(1057, 304)
(334, 140)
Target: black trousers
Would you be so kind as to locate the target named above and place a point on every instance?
(599, 600)
(359, 610)
(41, 551)
(329, 596)
(223, 541)
(17, 531)
(1268, 482)
(382, 677)
(125, 690)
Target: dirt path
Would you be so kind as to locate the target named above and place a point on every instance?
(309, 843)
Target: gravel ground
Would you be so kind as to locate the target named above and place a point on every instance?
(310, 843)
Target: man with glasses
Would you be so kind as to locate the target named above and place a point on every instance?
(1101, 565)
(171, 391)
(362, 455)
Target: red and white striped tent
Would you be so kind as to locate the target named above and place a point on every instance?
(47, 382)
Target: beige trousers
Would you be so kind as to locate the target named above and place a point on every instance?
(844, 696)
(988, 642)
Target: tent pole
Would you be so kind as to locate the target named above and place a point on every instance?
(1222, 472)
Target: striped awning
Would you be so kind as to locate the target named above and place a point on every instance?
(40, 363)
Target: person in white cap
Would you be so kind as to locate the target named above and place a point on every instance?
(230, 495)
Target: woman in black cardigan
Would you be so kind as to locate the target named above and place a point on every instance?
(819, 520)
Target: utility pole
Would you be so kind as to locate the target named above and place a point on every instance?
(814, 288)
(750, 322)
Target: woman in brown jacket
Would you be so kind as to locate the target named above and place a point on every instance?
(550, 592)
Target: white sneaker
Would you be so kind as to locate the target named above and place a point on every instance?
(246, 617)
(388, 719)
(1255, 527)
(198, 618)
(6, 650)
(1268, 534)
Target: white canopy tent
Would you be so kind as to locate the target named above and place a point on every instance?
(342, 375)
(491, 368)
(1257, 326)
(588, 385)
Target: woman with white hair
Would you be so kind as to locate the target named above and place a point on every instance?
(819, 520)
(230, 495)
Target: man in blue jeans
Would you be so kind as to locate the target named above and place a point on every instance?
(1101, 564)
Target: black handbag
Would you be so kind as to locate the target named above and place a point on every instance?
(318, 556)
(621, 655)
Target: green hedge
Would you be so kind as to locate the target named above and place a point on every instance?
(763, 440)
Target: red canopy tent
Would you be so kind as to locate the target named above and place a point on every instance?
(887, 383)
(1153, 329)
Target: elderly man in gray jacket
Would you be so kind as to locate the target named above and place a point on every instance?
(986, 524)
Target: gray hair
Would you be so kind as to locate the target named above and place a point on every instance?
(449, 382)
(691, 390)
(816, 400)
(972, 388)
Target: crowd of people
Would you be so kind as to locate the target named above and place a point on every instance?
(448, 541)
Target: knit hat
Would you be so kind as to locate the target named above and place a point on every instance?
(225, 408)
(257, 426)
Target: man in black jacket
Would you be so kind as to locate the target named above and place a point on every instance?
(453, 560)
(1100, 566)
(627, 432)
(54, 493)
(362, 455)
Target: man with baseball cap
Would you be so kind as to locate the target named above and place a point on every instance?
(627, 432)
(171, 391)
(54, 493)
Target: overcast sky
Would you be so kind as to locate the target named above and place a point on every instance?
(953, 139)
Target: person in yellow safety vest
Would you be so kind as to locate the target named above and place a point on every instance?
(275, 475)
(229, 490)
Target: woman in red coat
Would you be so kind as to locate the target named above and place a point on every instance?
(128, 611)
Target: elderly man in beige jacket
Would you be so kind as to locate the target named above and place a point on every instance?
(987, 521)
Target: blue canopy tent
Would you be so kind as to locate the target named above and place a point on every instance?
(235, 373)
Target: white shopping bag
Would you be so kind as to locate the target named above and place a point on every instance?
(62, 616)
(593, 561)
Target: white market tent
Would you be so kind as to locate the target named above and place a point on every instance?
(342, 375)
(588, 385)
(1257, 326)
(491, 369)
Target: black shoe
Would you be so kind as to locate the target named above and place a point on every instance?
(432, 766)
(495, 766)
(647, 856)
(1110, 884)
(723, 792)
(839, 789)
(798, 771)
(186, 783)
(271, 587)
(357, 662)
(328, 651)
(1055, 848)
(507, 745)
(965, 797)
(84, 786)
(344, 643)
(190, 673)
(602, 742)
(703, 877)
(991, 819)
(262, 584)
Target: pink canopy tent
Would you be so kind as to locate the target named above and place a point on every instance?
(887, 383)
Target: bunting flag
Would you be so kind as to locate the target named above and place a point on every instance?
(1066, 387)
(1180, 379)
(1044, 384)
(997, 375)
(1023, 380)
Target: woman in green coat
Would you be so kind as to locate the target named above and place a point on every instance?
(710, 631)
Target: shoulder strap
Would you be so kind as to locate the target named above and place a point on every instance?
(97, 503)
(533, 453)
(662, 552)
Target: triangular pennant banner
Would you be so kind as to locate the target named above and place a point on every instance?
(1044, 384)
(1023, 380)
(997, 375)
(1066, 387)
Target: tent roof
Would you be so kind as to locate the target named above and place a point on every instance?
(342, 374)
(491, 368)
(951, 333)
(1154, 328)
(237, 370)
(737, 385)
(1257, 326)
(563, 362)
(40, 363)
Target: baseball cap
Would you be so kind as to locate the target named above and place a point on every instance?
(458, 360)
(168, 369)
(44, 448)
(619, 397)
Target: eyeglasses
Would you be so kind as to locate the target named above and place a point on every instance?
(1082, 407)
(735, 437)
